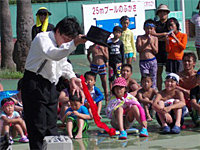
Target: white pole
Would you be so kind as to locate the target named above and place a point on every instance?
(183, 13)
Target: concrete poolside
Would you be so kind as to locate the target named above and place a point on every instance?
(189, 138)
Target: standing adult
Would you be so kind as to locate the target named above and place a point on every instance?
(175, 45)
(195, 29)
(42, 22)
(161, 32)
(45, 64)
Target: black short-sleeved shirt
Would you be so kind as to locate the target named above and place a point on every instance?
(162, 54)
(195, 93)
(36, 30)
(116, 52)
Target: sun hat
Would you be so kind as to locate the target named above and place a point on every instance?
(120, 81)
(162, 7)
(98, 36)
(43, 10)
(173, 76)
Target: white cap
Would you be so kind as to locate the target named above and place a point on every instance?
(173, 76)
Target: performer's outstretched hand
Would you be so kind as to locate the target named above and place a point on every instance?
(76, 86)
(78, 40)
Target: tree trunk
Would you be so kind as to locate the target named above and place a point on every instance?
(24, 26)
(6, 36)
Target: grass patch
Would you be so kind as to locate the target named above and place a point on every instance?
(10, 74)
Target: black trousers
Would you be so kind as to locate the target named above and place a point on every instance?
(39, 97)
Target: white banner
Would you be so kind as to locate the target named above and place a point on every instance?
(107, 16)
(148, 4)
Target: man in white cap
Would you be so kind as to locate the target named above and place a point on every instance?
(161, 32)
(168, 104)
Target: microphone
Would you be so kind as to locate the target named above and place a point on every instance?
(170, 31)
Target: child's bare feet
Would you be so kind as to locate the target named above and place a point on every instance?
(78, 136)
(70, 136)
(149, 119)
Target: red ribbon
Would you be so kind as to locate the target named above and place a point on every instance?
(94, 108)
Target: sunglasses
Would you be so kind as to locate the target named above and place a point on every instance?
(41, 14)
(171, 77)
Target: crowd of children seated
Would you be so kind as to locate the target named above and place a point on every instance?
(127, 100)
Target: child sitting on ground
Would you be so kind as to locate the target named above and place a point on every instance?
(195, 101)
(146, 94)
(97, 96)
(131, 85)
(18, 100)
(123, 109)
(168, 104)
(64, 102)
(12, 118)
(76, 117)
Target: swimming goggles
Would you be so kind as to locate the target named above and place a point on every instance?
(172, 77)
(150, 25)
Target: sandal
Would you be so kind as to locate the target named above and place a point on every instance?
(123, 135)
(144, 132)
(24, 139)
(166, 129)
(176, 129)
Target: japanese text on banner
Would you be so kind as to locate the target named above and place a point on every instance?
(113, 9)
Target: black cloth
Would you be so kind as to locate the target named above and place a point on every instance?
(174, 66)
(4, 142)
(116, 52)
(161, 56)
(36, 30)
(39, 97)
(195, 93)
(171, 125)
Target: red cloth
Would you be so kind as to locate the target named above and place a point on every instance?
(94, 108)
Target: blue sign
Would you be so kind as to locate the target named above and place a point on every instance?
(109, 24)
(7, 94)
